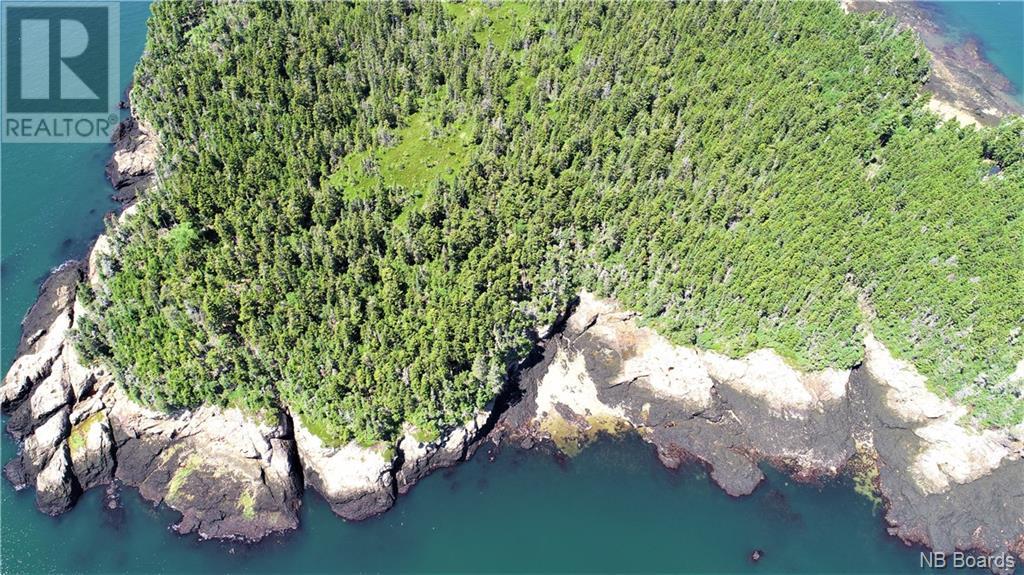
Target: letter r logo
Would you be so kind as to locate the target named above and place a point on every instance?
(73, 40)
(57, 57)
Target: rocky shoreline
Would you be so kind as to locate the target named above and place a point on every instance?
(964, 85)
(943, 485)
(597, 371)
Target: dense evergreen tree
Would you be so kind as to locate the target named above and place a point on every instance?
(365, 210)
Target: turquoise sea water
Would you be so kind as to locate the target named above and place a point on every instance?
(614, 508)
(997, 26)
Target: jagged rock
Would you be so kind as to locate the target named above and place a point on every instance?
(31, 368)
(41, 445)
(14, 471)
(80, 377)
(356, 481)
(21, 423)
(947, 486)
(52, 394)
(85, 408)
(97, 266)
(92, 450)
(131, 168)
(44, 332)
(420, 458)
(228, 475)
(56, 489)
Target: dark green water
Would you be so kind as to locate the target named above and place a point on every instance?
(611, 509)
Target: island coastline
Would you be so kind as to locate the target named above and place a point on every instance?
(136, 446)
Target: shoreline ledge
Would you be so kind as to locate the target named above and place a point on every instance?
(597, 372)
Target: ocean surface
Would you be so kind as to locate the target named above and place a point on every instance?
(613, 508)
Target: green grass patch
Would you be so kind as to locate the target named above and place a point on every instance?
(421, 156)
(490, 22)
(79, 433)
(247, 504)
(182, 473)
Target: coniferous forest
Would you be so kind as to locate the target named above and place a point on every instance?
(366, 211)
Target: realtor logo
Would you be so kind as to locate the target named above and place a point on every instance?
(60, 71)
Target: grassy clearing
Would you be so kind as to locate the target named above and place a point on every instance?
(419, 158)
(490, 23)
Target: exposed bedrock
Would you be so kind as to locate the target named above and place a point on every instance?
(132, 167)
(362, 481)
(356, 481)
(946, 485)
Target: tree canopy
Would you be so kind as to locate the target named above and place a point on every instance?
(365, 211)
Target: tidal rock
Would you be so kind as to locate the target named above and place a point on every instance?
(946, 485)
(228, 475)
(605, 373)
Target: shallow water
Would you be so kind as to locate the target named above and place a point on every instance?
(613, 508)
(997, 26)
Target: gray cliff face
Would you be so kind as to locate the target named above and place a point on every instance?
(132, 168)
(985, 514)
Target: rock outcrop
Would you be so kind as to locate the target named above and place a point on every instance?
(132, 168)
(421, 457)
(357, 481)
(946, 486)
(606, 373)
